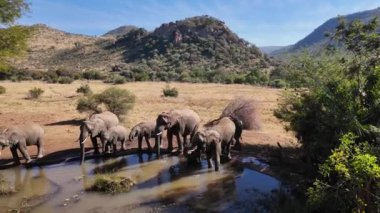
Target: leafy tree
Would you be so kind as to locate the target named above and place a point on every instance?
(12, 39)
(12, 10)
(345, 99)
(350, 179)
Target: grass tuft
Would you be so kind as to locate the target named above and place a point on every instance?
(111, 183)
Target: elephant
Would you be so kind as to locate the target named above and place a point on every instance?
(208, 141)
(229, 130)
(143, 130)
(177, 122)
(19, 137)
(93, 127)
(114, 135)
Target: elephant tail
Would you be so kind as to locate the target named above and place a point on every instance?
(239, 127)
(244, 110)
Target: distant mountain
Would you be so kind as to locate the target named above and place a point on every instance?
(120, 31)
(317, 38)
(200, 42)
(270, 49)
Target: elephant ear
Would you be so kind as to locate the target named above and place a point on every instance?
(13, 139)
(89, 125)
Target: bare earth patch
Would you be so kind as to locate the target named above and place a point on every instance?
(55, 110)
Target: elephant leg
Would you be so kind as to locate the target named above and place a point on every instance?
(148, 142)
(216, 156)
(40, 148)
(184, 142)
(123, 142)
(170, 140)
(209, 156)
(228, 149)
(114, 146)
(140, 138)
(24, 153)
(180, 144)
(15, 155)
(95, 145)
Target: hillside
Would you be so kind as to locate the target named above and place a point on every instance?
(317, 38)
(270, 49)
(120, 31)
(195, 43)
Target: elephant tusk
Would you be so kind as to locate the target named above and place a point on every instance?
(84, 140)
(160, 133)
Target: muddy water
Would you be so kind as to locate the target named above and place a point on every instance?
(166, 184)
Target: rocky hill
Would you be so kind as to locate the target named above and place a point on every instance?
(195, 43)
(120, 31)
(317, 38)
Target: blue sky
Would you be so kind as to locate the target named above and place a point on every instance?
(261, 22)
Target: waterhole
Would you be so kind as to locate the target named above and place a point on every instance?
(168, 184)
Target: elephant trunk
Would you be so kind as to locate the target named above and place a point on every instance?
(82, 138)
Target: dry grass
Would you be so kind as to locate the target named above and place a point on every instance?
(59, 102)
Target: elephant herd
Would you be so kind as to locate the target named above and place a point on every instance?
(215, 138)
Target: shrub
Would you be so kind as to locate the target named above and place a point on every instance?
(170, 91)
(116, 100)
(35, 93)
(93, 75)
(2, 90)
(65, 80)
(278, 83)
(89, 104)
(84, 89)
(110, 183)
(115, 79)
(349, 179)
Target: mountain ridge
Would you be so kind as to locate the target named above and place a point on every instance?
(317, 37)
(197, 42)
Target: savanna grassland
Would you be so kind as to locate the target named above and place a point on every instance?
(56, 109)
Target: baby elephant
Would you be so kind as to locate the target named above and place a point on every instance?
(143, 130)
(114, 135)
(208, 141)
(19, 137)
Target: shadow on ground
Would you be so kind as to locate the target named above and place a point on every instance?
(72, 122)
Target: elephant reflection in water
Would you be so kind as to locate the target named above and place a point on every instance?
(30, 186)
(141, 158)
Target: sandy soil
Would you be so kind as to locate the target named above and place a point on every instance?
(56, 112)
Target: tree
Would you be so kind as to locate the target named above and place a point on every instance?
(12, 10)
(13, 38)
(349, 179)
(338, 123)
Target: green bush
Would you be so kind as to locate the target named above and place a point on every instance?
(84, 89)
(2, 90)
(115, 79)
(277, 83)
(88, 103)
(118, 101)
(93, 75)
(110, 183)
(65, 80)
(170, 91)
(35, 93)
(349, 179)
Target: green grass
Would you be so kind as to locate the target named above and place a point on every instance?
(111, 183)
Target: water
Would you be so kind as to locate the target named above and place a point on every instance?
(166, 184)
